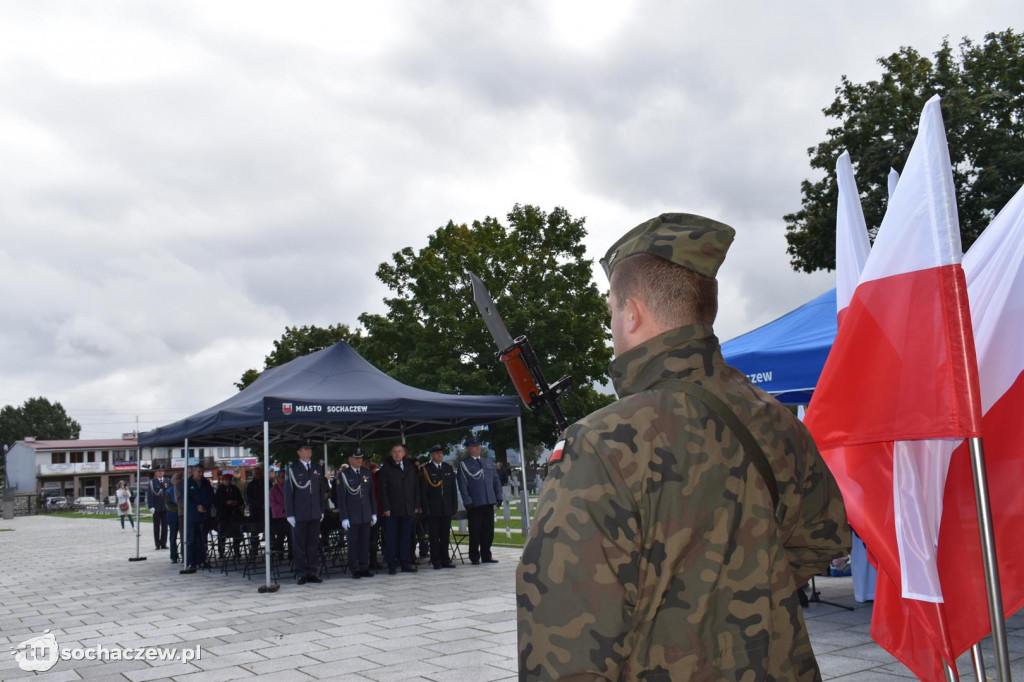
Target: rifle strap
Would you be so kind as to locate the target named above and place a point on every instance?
(742, 433)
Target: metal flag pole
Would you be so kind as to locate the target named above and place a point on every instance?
(978, 661)
(267, 586)
(183, 514)
(138, 494)
(988, 553)
(524, 512)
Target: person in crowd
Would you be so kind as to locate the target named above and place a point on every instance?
(155, 500)
(440, 502)
(304, 508)
(502, 474)
(230, 510)
(123, 497)
(172, 495)
(481, 490)
(280, 531)
(400, 500)
(255, 495)
(197, 518)
(676, 523)
(357, 509)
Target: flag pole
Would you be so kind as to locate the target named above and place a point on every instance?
(988, 554)
(978, 661)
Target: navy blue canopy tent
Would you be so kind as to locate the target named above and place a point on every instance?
(331, 395)
(785, 357)
(328, 396)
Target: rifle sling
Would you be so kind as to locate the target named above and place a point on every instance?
(742, 433)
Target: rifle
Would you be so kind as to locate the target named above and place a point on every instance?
(520, 360)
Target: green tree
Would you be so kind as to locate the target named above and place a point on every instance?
(432, 336)
(36, 417)
(299, 341)
(982, 90)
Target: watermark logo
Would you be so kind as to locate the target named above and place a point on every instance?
(41, 653)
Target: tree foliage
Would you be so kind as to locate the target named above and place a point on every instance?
(982, 90)
(36, 417)
(535, 268)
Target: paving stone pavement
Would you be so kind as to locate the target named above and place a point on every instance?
(73, 578)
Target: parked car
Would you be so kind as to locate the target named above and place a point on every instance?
(86, 502)
(56, 503)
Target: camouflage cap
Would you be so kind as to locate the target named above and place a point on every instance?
(691, 241)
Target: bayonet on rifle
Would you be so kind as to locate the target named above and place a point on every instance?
(519, 359)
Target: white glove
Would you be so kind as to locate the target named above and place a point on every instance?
(373, 519)
(152, 510)
(345, 524)
(291, 520)
(321, 517)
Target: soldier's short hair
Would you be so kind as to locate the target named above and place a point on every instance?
(674, 294)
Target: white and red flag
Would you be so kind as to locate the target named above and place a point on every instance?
(902, 371)
(994, 269)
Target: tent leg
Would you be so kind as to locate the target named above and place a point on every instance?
(267, 586)
(524, 501)
(183, 514)
(138, 495)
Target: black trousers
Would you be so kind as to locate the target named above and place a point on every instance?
(160, 528)
(358, 536)
(439, 528)
(481, 531)
(398, 540)
(306, 548)
(195, 542)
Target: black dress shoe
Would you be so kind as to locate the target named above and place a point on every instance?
(448, 565)
(410, 568)
(392, 571)
(190, 569)
(301, 581)
(368, 574)
(357, 575)
(313, 579)
(490, 561)
(437, 567)
(475, 562)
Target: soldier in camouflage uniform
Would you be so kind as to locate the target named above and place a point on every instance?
(657, 551)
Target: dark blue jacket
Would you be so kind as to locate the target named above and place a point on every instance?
(199, 495)
(353, 495)
(304, 491)
(437, 489)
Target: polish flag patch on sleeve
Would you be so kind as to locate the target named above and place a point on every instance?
(556, 453)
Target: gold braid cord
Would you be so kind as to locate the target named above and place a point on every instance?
(430, 481)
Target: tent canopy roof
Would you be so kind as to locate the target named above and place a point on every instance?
(785, 357)
(330, 395)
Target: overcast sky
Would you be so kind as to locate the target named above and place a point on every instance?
(181, 180)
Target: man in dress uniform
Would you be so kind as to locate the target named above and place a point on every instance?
(676, 524)
(357, 509)
(437, 493)
(156, 501)
(481, 490)
(304, 508)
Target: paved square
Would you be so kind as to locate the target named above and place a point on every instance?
(73, 578)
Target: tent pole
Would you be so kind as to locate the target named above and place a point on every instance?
(183, 513)
(267, 549)
(326, 468)
(524, 512)
(138, 494)
(988, 553)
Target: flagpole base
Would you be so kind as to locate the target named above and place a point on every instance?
(274, 587)
(136, 558)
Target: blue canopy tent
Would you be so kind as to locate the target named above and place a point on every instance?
(328, 396)
(785, 357)
(331, 395)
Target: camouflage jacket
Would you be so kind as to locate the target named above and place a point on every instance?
(655, 553)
